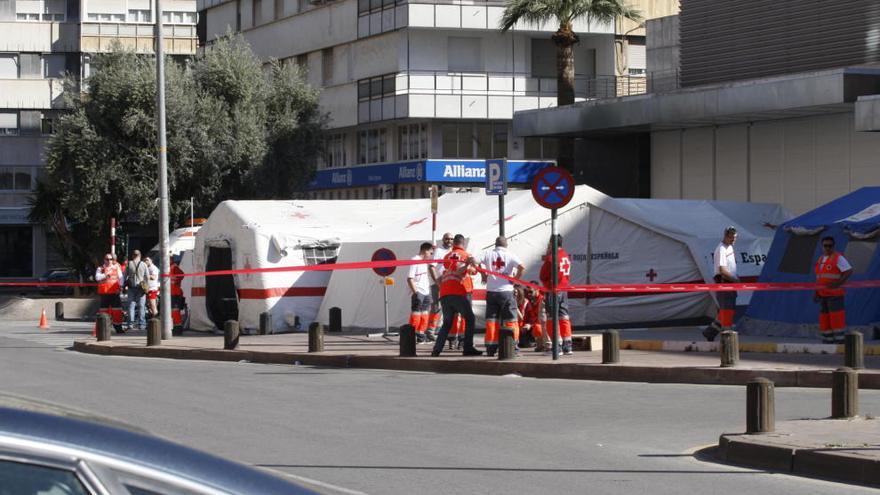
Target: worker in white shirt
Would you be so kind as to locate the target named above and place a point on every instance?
(724, 267)
(419, 283)
(501, 307)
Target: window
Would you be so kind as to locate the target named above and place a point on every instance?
(47, 124)
(53, 66)
(41, 10)
(474, 140)
(179, 17)
(859, 253)
(16, 179)
(372, 146)
(547, 148)
(499, 140)
(465, 54)
(799, 251)
(19, 477)
(138, 15)
(8, 123)
(279, 9)
(370, 92)
(365, 7)
(412, 142)
(8, 66)
(257, 11)
(335, 151)
(302, 60)
(327, 66)
(101, 17)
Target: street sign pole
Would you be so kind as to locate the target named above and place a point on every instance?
(554, 296)
(385, 295)
(383, 254)
(501, 214)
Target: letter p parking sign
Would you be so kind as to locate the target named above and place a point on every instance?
(496, 177)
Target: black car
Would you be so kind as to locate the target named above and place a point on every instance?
(58, 275)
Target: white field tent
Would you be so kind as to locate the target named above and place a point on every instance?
(610, 241)
(180, 241)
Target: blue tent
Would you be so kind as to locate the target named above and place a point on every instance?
(854, 222)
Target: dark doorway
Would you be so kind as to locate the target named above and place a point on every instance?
(221, 299)
(16, 251)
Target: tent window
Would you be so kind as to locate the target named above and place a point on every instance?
(798, 257)
(859, 254)
(320, 255)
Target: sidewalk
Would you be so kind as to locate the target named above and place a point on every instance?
(841, 449)
(359, 351)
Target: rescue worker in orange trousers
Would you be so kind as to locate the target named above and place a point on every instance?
(724, 270)
(533, 317)
(563, 270)
(419, 284)
(501, 307)
(458, 266)
(832, 271)
(177, 300)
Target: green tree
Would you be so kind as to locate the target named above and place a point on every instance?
(564, 13)
(234, 131)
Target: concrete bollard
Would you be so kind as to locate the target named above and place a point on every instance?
(231, 333)
(610, 347)
(335, 320)
(844, 393)
(266, 323)
(760, 406)
(316, 337)
(105, 324)
(854, 348)
(506, 345)
(59, 311)
(407, 341)
(729, 348)
(154, 332)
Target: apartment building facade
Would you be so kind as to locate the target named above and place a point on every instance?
(423, 91)
(41, 41)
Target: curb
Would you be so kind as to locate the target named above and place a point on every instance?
(572, 371)
(748, 450)
(765, 347)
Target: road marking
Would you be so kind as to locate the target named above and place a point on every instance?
(321, 484)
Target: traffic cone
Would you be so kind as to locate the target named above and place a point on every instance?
(44, 322)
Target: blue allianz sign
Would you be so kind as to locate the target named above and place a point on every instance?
(431, 171)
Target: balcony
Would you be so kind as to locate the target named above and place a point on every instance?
(180, 39)
(436, 94)
(41, 37)
(31, 93)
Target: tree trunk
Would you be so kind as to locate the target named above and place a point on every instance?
(565, 39)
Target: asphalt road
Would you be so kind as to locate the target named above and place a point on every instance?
(382, 432)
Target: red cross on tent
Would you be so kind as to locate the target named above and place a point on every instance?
(299, 215)
(652, 274)
(506, 219)
(416, 222)
(498, 264)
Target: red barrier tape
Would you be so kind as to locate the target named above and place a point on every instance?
(622, 289)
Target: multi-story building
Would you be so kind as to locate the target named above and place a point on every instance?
(423, 91)
(41, 41)
(766, 101)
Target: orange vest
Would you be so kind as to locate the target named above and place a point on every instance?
(828, 272)
(455, 279)
(175, 281)
(110, 285)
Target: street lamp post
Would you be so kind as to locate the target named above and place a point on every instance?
(165, 287)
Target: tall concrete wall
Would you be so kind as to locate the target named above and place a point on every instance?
(801, 163)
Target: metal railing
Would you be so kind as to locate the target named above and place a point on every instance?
(514, 84)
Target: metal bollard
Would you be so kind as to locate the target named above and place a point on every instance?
(844, 393)
(729, 348)
(506, 344)
(407, 341)
(854, 348)
(59, 311)
(266, 323)
(610, 347)
(154, 332)
(231, 333)
(760, 406)
(316, 337)
(335, 319)
(105, 324)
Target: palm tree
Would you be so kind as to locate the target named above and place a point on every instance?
(564, 13)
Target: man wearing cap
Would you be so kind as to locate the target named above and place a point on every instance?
(832, 271)
(724, 267)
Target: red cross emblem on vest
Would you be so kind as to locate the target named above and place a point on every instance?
(498, 264)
